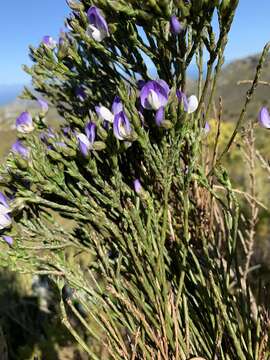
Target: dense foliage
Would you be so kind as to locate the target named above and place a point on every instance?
(119, 205)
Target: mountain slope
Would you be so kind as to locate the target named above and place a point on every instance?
(233, 95)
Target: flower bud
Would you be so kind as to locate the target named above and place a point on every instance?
(99, 145)
(175, 25)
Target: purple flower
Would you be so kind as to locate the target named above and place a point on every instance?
(207, 128)
(90, 131)
(86, 141)
(264, 118)
(8, 239)
(182, 98)
(43, 105)
(137, 186)
(18, 148)
(60, 144)
(190, 104)
(121, 126)
(98, 28)
(175, 25)
(44, 136)
(5, 221)
(67, 130)
(24, 123)
(154, 94)
(49, 42)
(117, 105)
(80, 93)
(84, 144)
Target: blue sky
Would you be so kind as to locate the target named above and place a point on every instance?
(24, 22)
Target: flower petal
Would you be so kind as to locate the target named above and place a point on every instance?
(3, 200)
(95, 33)
(153, 100)
(49, 41)
(18, 148)
(8, 239)
(104, 113)
(207, 128)
(160, 116)
(182, 97)
(264, 118)
(5, 221)
(117, 105)
(98, 28)
(175, 25)
(90, 131)
(84, 144)
(43, 105)
(137, 186)
(192, 104)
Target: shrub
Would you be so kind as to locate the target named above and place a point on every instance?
(116, 204)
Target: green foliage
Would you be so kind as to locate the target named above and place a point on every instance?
(163, 279)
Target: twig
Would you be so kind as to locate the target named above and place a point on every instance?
(242, 82)
(247, 195)
(248, 99)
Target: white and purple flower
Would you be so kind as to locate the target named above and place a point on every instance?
(20, 149)
(264, 118)
(86, 140)
(48, 41)
(121, 126)
(98, 28)
(154, 95)
(190, 104)
(108, 115)
(24, 123)
(5, 221)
